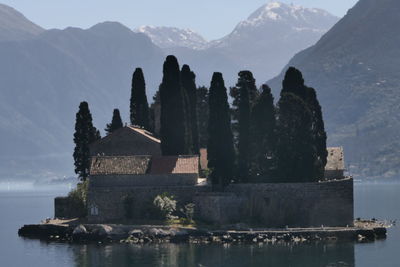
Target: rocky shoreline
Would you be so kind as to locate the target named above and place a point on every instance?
(143, 234)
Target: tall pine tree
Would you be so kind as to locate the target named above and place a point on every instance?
(202, 115)
(173, 128)
(245, 94)
(85, 134)
(263, 136)
(116, 122)
(139, 107)
(155, 114)
(296, 154)
(318, 131)
(294, 83)
(189, 84)
(221, 153)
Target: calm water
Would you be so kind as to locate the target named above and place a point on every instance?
(18, 208)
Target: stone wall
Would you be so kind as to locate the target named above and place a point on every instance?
(280, 205)
(108, 203)
(327, 203)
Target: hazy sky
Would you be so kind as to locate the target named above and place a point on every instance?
(211, 18)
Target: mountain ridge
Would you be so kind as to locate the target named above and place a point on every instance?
(354, 67)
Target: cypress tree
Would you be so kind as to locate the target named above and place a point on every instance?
(245, 80)
(296, 154)
(318, 131)
(116, 122)
(139, 107)
(294, 83)
(155, 114)
(172, 120)
(202, 115)
(263, 136)
(245, 94)
(188, 83)
(85, 134)
(220, 140)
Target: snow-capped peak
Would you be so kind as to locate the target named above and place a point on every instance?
(168, 37)
(275, 17)
(276, 11)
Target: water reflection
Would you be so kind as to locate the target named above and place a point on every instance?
(317, 254)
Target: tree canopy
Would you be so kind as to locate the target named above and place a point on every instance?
(220, 154)
(85, 134)
(116, 122)
(139, 107)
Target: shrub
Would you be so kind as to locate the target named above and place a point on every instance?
(188, 211)
(166, 204)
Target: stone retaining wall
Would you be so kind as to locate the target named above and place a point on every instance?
(107, 204)
(280, 205)
(268, 205)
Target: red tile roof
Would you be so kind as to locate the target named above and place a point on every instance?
(174, 164)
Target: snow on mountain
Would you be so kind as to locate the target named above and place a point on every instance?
(283, 17)
(169, 37)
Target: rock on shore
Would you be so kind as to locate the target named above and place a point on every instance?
(161, 234)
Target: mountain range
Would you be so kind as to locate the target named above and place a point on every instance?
(353, 64)
(263, 43)
(45, 74)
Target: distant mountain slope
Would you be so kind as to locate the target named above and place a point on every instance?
(14, 26)
(43, 80)
(168, 37)
(275, 32)
(355, 68)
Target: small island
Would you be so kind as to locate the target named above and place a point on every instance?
(190, 168)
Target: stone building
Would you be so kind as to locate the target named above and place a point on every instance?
(114, 179)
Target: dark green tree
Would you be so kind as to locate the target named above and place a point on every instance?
(85, 134)
(139, 107)
(155, 113)
(245, 80)
(296, 153)
(318, 131)
(115, 124)
(263, 136)
(173, 130)
(189, 84)
(244, 94)
(220, 154)
(202, 115)
(294, 83)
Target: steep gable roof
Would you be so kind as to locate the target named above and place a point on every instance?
(126, 141)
